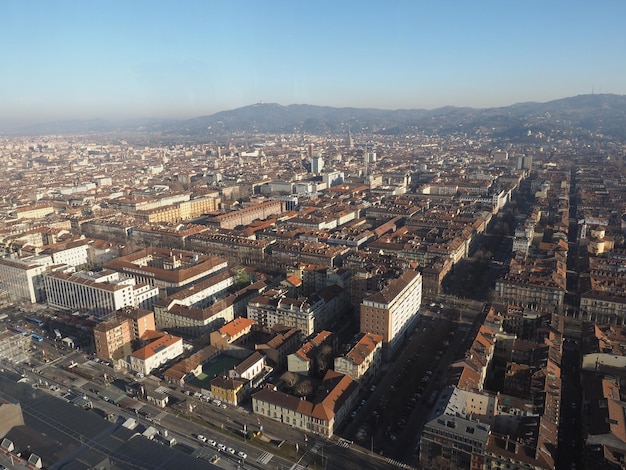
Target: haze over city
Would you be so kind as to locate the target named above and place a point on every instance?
(116, 60)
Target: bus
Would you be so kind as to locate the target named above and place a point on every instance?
(17, 329)
(36, 321)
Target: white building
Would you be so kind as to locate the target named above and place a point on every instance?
(97, 293)
(155, 354)
(22, 279)
(75, 253)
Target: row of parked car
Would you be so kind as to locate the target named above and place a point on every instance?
(207, 399)
(222, 447)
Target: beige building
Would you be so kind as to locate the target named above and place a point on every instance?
(113, 338)
(392, 311)
(362, 363)
(231, 332)
(320, 416)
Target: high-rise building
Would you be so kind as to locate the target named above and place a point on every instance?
(390, 312)
(317, 164)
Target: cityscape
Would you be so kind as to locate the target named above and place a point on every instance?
(358, 299)
(312, 235)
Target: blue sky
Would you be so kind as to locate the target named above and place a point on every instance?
(180, 59)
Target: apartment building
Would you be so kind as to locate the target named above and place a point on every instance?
(390, 312)
(307, 314)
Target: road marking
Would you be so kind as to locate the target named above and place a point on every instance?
(265, 457)
(399, 464)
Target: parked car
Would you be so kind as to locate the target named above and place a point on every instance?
(201, 438)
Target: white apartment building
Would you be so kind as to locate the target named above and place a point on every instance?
(22, 279)
(97, 293)
(158, 352)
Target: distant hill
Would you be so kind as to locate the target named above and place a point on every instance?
(598, 114)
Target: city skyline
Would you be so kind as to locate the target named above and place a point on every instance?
(68, 60)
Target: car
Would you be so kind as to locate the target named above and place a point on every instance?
(354, 413)
(230, 450)
(105, 398)
(242, 455)
(373, 388)
(221, 447)
(223, 405)
(201, 438)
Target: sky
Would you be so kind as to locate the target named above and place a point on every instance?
(62, 60)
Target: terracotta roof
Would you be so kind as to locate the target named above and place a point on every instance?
(151, 349)
(236, 326)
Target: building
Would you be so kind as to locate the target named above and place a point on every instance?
(74, 253)
(14, 346)
(113, 338)
(159, 351)
(284, 342)
(320, 416)
(22, 279)
(169, 270)
(190, 366)
(196, 321)
(393, 310)
(230, 220)
(315, 355)
(231, 332)
(97, 293)
(363, 361)
(228, 390)
(307, 314)
(249, 368)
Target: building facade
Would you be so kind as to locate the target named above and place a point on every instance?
(390, 312)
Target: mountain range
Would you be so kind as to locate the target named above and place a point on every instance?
(597, 115)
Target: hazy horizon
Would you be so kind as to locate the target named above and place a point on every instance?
(137, 60)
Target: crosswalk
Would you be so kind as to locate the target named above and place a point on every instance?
(164, 390)
(344, 443)
(265, 457)
(398, 464)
